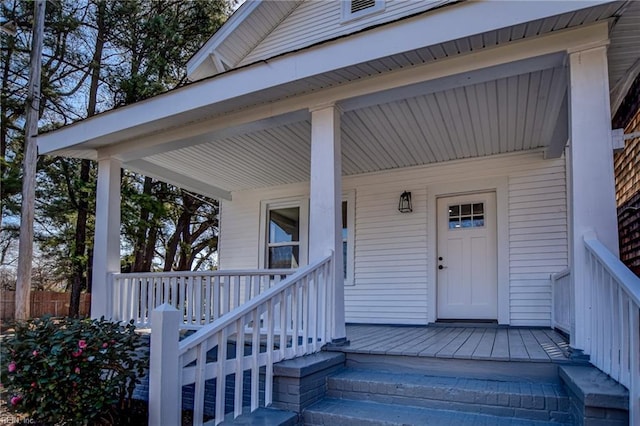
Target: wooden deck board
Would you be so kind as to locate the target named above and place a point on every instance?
(517, 350)
(549, 345)
(413, 348)
(485, 347)
(470, 346)
(454, 346)
(441, 342)
(376, 337)
(501, 346)
(532, 346)
(400, 339)
(481, 343)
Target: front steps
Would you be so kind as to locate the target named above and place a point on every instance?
(350, 412)
(372, 397)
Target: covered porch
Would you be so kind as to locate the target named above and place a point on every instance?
(514, 110)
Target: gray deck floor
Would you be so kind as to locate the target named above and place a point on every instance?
(477, 342)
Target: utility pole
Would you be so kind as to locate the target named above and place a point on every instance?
(25, 250)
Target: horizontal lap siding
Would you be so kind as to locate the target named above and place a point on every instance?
(390, 252)
(316, 21)
(537, 239)
(239, 232)
(391, 248)
(240, 225)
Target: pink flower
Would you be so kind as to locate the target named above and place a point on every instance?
(82, 344)
(105, 345)
(35, 353)
(16, 400)
(77, 353)
(77, 370)
(34, 384)
(12, 367)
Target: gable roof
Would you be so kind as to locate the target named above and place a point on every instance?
(248, 25)
(262, 29)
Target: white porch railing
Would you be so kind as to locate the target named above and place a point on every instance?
(561, 301)
(283, 322)
(202, 297)
(614, 323)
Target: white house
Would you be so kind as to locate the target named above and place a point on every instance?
(310, 119)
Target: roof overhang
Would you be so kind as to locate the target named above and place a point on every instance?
(284, 76)
(249, 128)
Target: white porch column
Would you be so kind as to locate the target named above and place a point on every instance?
(325, 210)
(592, 204)
(106, 247)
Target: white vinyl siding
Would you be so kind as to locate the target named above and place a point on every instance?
(392, 258)
(316, 21)
(538, 236)
(239, 241)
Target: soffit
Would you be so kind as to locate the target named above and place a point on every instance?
(499, 116)
(624, 49)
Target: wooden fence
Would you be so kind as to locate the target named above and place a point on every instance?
(43, 303)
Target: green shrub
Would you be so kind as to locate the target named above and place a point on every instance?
(71, 371)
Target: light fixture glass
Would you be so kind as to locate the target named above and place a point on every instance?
(404, 205)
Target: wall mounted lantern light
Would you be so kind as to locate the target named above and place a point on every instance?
(404, 205)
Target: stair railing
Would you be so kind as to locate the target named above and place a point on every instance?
(201, 296)
(285, 321)
(614, 346)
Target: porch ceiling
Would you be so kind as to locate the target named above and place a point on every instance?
(497, 116)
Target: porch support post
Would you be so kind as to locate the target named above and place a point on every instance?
(325, 212)
(106, 247)
(592, 206)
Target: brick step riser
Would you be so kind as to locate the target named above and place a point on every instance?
(503, 404)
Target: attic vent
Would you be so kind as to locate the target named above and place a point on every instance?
(355, 9)
(358, 5)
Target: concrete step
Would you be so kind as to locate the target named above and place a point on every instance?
(261, 417)
(337, 412)
(510, 399)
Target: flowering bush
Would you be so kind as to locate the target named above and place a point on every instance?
(71, 371)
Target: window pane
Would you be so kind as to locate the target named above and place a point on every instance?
(478, 208)
(344, 260)
(284, 257)
(344, 215)
(478, 221)
(465, 209)
(466, 222)
(454, 223)
(345, 232)
(454, 211)
(284, 225)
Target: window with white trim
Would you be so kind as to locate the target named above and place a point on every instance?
(283, 235)
(283, 240)
(355, 9)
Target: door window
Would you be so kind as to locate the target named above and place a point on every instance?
(469, 215)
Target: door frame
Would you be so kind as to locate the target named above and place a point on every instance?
(500, 186)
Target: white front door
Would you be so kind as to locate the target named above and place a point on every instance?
(467, 257)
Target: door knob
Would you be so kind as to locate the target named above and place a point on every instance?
(441, 267)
